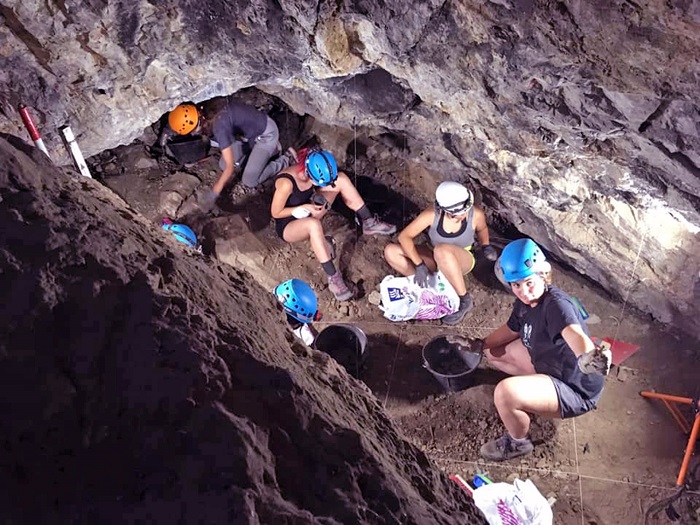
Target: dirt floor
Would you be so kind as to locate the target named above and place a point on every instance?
(606, 467)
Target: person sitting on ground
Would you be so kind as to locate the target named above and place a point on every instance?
(303, 195)
(299, 302)
(233, 123)
(452, 225)
(557, 369)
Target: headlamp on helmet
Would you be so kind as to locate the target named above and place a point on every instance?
(453, 198)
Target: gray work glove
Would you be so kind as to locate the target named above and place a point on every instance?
(422, 275)
(208, 201)
(489, 252)
(596, 361)
(473, 345)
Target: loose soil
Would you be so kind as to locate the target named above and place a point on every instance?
(606, 467)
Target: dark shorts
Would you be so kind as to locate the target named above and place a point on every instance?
(281, 224)
(571, 403)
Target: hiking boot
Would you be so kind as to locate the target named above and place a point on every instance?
(288, 158)
(505, 447)
(338, 287)
(465, 306)
(292, 154)
(373, 226)
(330, 242)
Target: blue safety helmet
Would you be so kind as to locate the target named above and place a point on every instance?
(298, 300)
(521, 259)
(321, 168)
(182, 233)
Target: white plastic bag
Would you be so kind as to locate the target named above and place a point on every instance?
(403, 299)
(517, 504)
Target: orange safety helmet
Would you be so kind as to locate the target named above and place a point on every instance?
(183, 119)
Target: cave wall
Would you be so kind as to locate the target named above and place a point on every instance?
(577, 120)
(135, 389)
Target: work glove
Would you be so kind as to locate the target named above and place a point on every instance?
(208, 201)
(490, 252)
(422, 275)
(596, 361)
(473, 345)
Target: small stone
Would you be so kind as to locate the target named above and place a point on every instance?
(375, 298)
(622, 374)
(144, 163)
(512, 477)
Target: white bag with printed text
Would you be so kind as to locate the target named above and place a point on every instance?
(517, 504)
(403, 299)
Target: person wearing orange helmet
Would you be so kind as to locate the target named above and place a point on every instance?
(232, 124)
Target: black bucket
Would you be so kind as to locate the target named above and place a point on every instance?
(189, 149)
(451, 365)
(346, 344)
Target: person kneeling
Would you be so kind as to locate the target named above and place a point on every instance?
(303, 195)
(557, 369)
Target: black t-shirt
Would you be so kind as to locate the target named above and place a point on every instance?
(540, 330)
(238, 119)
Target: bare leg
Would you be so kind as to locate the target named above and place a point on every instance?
(396, 257)
(309, 228)
(347, 191)
(454, 262)
(513, 359)
(517, 397)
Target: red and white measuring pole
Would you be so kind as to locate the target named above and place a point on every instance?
(32, 129)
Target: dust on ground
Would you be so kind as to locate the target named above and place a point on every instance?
(606, 467)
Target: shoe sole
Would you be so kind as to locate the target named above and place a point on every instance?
(344, 297)
(450, 322)
(380, 233)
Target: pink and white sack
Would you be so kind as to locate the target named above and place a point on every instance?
(403, 299)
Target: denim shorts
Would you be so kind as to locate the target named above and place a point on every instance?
(571, 403)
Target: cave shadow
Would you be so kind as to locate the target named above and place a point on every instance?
(484, 273)
(391, 206)
(254, 207)
(394, 370)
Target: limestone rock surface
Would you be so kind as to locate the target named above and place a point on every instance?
(135, 387)
(578, 121)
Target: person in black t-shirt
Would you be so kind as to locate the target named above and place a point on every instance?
(557, 369)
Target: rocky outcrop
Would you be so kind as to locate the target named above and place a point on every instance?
(578, 121)
(136, 389)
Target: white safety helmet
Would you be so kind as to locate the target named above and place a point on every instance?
(453, 198)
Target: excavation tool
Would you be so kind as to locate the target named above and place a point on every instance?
(32, 129)
(462, 483)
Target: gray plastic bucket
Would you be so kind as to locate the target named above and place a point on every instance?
(450, 364)
(345, 343)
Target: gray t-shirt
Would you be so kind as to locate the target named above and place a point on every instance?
(540, 330)
(237, 119)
